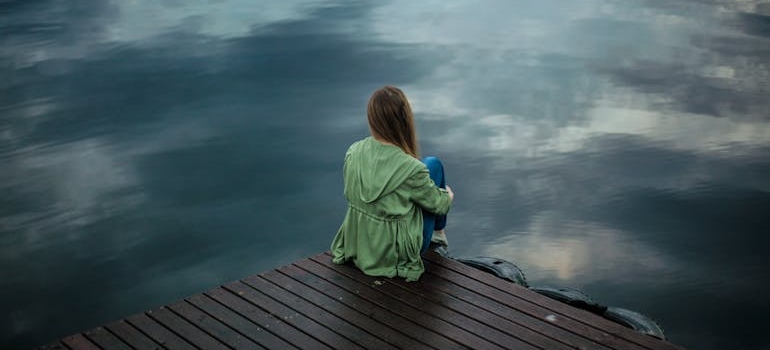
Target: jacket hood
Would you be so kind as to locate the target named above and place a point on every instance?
(373, 169)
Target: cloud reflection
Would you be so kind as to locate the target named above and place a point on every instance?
(588, 141)
(79, 183)
(578, 253)
(116, 150)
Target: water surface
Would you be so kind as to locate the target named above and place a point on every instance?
(155, 149)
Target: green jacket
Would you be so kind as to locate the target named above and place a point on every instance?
(386, 189)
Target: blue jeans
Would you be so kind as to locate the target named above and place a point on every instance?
(432, 222)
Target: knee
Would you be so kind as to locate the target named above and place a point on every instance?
(434, 165)
(432, 162)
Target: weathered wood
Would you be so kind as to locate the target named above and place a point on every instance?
(473, 305)
(158, 333)
(213, 327)
(268, 322)
(53, 346)
(185, 329)
(493, 328)
(496, 299)
(79, 342)
(320, 279)
(132, 336)
(105, 340)
(325, 317)
(307, 324)
(473, 334)
(334, 306)
(316, 304)
(240, 324)
(372, 319)
(603, 326)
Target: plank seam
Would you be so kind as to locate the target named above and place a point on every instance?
(129, 324)
(67, 346)
(322, 308)
(379, 302)
(407, 301)
(417, 295)
(365, 315)
(156, 340)
(290, 308)
(597, 332)
(625, 334)
(239, 314)
(75, 339)
(194, 324)
(119, 337)
(517, 323)
(180, 336)
(409, 290)
(220, 321)
(266, 329)
(92, 340)
(509, 319)
(454, 309)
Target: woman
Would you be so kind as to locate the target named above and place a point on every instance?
(395, 201)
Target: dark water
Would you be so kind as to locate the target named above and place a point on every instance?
(153, 149)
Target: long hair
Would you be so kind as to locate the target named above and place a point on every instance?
(391, 120)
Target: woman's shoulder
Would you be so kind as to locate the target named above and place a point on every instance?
(356, 145)
(390, 154)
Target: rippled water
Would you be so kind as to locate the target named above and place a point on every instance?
(154, 149)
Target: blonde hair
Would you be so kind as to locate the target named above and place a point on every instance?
(391, 119)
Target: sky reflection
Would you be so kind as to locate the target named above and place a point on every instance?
(156, 149)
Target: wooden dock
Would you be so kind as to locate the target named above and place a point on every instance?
(314, 304)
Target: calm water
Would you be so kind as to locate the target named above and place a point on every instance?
(153, 149)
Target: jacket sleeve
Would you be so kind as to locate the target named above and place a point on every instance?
(426, 194)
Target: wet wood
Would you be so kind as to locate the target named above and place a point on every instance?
(583, 321)
(79, 342)
(105, 340)
(132, 336)
(238, 323)
(316, 304)
(158, 333)
(185, 329)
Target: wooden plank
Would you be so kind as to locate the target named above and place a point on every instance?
(389, 311)
(341, 325)
(476, 333)
(376, 320)
(266, 321)
(502, 318)
(105, 340)
(300, 321)
(53, 346)
(432, 330)
(79, 342)
(475, 304)
(497, 299)
(213, 327)
(594, 321)
(315, 304)
(185, 329)
(242, 325)
(352, 315)
(132, 336)
(158, 333)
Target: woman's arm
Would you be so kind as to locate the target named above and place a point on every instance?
(427, 195)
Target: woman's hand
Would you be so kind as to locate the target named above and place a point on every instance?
(451, 194)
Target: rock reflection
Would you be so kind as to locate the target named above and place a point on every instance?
(587, 141)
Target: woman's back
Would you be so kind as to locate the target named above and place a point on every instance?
(374, 174)
(388, 191)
